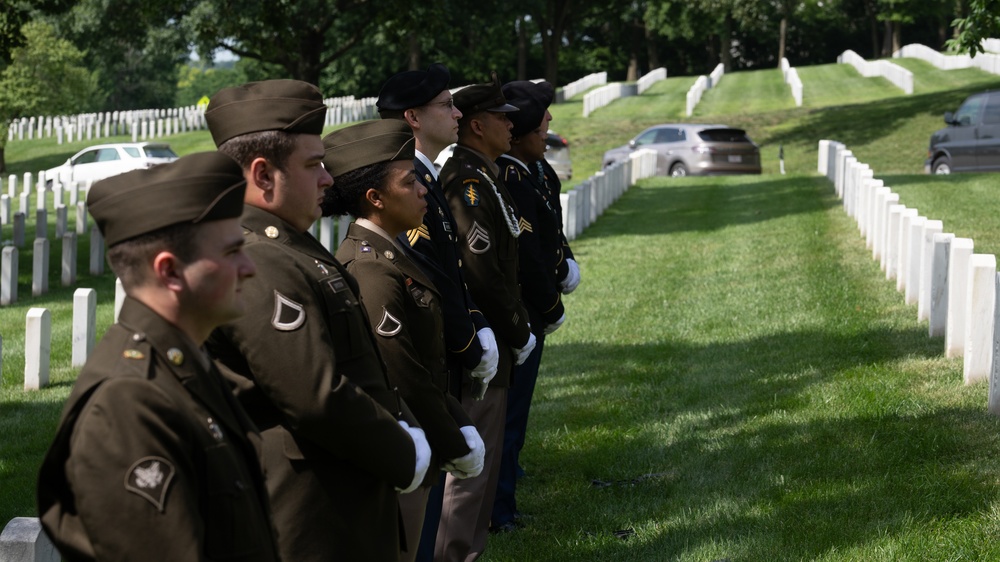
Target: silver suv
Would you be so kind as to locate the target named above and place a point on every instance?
(693, 149)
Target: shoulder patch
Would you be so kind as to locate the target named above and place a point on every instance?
(150, 478)
(389, 325)
(471, 196)
(288, 314)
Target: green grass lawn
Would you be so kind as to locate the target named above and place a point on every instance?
(736, 380)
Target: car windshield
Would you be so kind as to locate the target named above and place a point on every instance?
(723, 135)
(159, 151)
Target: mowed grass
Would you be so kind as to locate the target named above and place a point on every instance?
(736, 381)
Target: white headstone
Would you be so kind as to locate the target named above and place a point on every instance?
(119, 297)
(40, 268)
(18, 231)
(68, 277)
(902, 253)
(958, 289)
(12, 185)
(993, 398)
(8, 276)
(41, 224)
(24, 540)
(61, 220)
(81, 217)
(37, 348)
(931, 228)
(27, 182)
(915, 245)
(981, 299)
(938, 314)
(890, 256)
(5, 214)
(96, 252)
(22, 203)
(84, 325)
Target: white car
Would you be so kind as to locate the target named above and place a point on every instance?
(106, 160)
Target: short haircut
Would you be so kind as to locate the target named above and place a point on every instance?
(465, 123)
(274, 146)
(346, 197)
(393, 114)
(131, 259)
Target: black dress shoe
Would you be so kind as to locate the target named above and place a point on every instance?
(508, 527)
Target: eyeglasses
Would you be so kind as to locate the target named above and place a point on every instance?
(448, 103)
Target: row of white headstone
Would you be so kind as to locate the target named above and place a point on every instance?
(791, 77)
(955, 290)
(702, 85)
(902, 78)
(604, 95)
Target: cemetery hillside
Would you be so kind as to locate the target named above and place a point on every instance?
(796, 365)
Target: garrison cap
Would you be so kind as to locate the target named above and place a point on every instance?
(413, 88)
(200, 187)
(532, 100)
(367, 143)
(483, 97)
(292, 106)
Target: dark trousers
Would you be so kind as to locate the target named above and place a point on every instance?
(518, 404)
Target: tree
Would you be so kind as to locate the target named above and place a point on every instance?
(14, 14)
(302, 37)
(136, 46)
(46, 76)
(982, 22)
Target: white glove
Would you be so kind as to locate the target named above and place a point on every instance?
(487, 367)
(572, 279)
(524, 352)
(423, 456)
(555, 325)
(471, 465)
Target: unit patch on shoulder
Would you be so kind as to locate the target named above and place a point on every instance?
(471, 196)
(478, 239)
(288, 314)
(389, 325)
(150, 479)
(524, 225)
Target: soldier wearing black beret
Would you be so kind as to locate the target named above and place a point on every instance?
(423, 101)
(338, 441)
(487, 232)
(154, 459)
(539, 258)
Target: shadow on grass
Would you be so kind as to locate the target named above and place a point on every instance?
(707, 204)
(28, 426)
(743, 453)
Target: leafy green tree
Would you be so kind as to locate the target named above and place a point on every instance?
(136, 46)
(46, 76)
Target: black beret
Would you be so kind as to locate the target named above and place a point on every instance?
(200, 187)
(272, 105)
(367, 143)
(413, 88)
(532, 100)
(483, 97)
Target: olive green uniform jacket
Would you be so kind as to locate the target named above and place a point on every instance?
(489, 250)
(154, 459)
(404, 308)
(307, 370)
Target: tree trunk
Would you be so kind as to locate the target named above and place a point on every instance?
(522, 50)
(651, 53)
(633, 58)
(886, 41)
(897, 36)
(782, 31)
(414, 50)
(3, 162)
(725, 42)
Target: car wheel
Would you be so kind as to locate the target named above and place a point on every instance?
(941, 166)
(678, 170)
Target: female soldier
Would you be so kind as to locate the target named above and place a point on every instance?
(374, 181)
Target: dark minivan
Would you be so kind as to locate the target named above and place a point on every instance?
(971, 141)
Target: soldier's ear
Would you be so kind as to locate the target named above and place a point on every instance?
(167, 269)
(261, 174)
(374, 198)
(411, 118)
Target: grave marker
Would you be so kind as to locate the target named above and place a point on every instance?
(958, 287)
(68, 259)
(40, 268)
(8, 276)
(84, 325)
(37, 348)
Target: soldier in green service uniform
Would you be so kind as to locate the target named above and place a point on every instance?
(338, 442)
(374, 180)
(154, 459)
